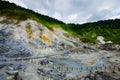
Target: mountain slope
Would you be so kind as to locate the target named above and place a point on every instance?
(25, 33)
(109, 29)
(26, 36)
(13, 11)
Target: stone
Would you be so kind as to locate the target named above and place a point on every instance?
(4, 32)
(101, 39)
(27, 76)
(11, 71)
(108, 47)
(2, 76)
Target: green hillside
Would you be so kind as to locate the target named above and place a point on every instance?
(13, 11)
(109, 29)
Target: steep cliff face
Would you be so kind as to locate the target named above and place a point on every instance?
(28, 38)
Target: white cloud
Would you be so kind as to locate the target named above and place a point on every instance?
(42, 11)
(74, 11)
(115, 17)
(57, 15)
(73, 17)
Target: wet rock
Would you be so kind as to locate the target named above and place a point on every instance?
(109, 47)
(2, 76)
(51, 73)
(16, 76)
(11, 71)
(26, 76)
(44, 71)
(17, 54)
(45, 62)
(1, 66)
(21, 67)
(4, 32)
(3, 49)
(29, 74)
(2, 40)
(103, 76)
(70, 76)
(61, 75)
(41, 71)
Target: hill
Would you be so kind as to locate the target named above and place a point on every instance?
(109, 29)
(37, 47)
(14, 11)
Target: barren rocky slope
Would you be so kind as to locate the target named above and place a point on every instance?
(78, 60)
(37, 47)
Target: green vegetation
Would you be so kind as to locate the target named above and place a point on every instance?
(29, 31)
(12, 11)
(109, 29)
(5, 21)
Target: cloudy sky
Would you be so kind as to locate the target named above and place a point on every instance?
(74, 11)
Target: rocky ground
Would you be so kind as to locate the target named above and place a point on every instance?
(78, 61)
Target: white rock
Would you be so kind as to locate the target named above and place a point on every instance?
(101, 39)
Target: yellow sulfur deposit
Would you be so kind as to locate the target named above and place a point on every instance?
(46, 39)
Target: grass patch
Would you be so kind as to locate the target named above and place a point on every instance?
(29, 31)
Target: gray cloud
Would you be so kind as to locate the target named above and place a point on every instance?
(74, 11)
(100, 15)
